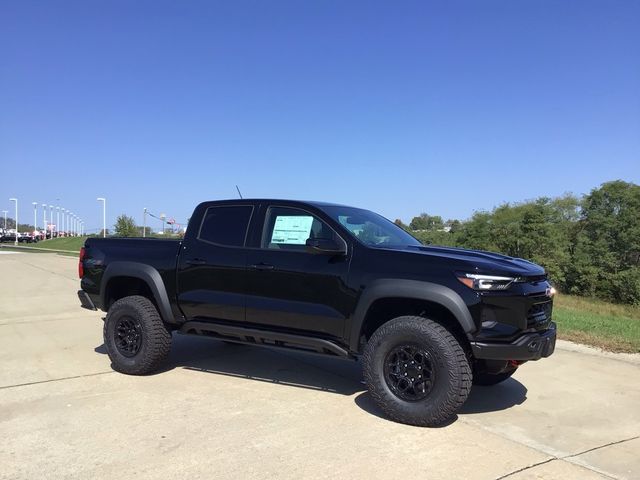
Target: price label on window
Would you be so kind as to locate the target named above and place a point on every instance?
(292, 230)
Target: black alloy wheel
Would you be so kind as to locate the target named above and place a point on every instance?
(128, 336)
(409, 372)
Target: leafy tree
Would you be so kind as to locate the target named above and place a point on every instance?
(125, 226)
(399, 222)
(606, 255)
(426, 222)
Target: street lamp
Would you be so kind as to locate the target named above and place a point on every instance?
(104, 215)
(58, 220)
(5, 218)
(144, 222)
(16, 200)
(51, 219)
(35, 215)
(44, 219)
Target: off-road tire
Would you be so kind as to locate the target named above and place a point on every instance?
(489, 379)
(452, 372)
(155, 337)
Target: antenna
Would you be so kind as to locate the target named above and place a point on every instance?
(239, 191)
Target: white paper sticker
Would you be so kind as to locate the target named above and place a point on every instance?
(292, 230)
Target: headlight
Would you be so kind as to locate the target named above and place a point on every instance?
(485, 282)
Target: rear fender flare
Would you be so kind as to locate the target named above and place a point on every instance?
(149, 275)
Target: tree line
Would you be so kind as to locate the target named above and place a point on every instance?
(589, 245)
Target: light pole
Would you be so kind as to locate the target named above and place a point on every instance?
(16, 200)
(58, 221)
(62, 229)
(104, 215)
(163, 217)
(51, 219)
(44, 220)
(35, 215)
(144, 223)
(5, 218)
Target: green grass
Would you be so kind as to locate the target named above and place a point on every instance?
(601, 324)
(70, 244)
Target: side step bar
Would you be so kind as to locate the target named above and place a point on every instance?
(253, 336)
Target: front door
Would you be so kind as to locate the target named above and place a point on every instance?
(289, 287)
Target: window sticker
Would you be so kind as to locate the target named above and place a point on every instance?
(292, 230)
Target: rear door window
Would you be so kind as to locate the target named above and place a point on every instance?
(226, 225)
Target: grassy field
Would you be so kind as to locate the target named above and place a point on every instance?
(601, 324)
(71, 244)
(62, 246)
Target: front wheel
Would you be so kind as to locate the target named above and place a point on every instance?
(416, 371)
(136, 339)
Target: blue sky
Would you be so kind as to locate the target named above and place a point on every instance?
(400, 107)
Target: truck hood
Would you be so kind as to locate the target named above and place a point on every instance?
(481, 261)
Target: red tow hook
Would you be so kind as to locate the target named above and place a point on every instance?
(515, 363)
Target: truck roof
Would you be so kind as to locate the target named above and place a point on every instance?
(276, 200)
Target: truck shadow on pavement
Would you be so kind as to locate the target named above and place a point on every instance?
(309, 371)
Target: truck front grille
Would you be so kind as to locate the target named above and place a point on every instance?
(539, 315)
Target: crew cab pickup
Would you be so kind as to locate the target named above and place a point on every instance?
(424, 321)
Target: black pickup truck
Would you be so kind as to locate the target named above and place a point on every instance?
(425, 321)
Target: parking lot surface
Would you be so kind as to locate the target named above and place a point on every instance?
(225, 411)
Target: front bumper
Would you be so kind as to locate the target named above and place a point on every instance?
(530, 346)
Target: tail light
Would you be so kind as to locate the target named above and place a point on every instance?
(80, 265)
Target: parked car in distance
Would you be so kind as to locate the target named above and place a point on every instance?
(425, 321)
(8, 235)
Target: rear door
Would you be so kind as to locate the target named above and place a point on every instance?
(287, 286)
(212, 266)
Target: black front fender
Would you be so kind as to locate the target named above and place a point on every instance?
(413, 289)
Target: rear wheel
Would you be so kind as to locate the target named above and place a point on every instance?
(416, 371)
(136, 339)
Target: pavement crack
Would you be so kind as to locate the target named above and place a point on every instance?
(601, 446)
(55, 380)
(506, 475)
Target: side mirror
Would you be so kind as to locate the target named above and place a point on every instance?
(326, 246)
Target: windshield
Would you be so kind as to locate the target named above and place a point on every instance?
(370, 228)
